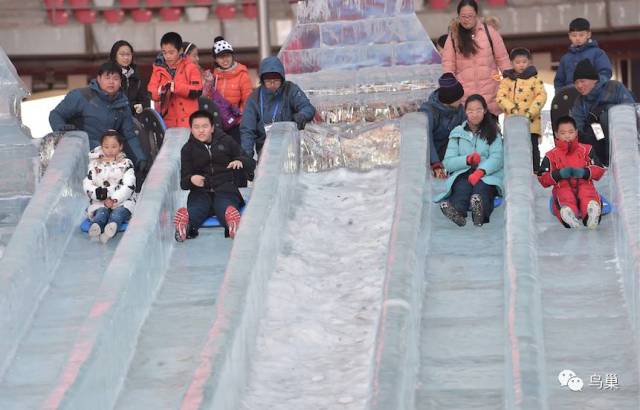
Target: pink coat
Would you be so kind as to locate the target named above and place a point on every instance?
(478, 73)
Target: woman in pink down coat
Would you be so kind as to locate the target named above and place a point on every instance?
(468, 54)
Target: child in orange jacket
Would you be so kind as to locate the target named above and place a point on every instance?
(176, 83)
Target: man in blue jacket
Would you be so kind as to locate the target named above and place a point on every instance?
(97, 108)
(582, 46)
(275, 100)
(445, 112)
(592, 106)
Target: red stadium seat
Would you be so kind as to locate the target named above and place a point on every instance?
(497, 3)
(439, 4)
(141, 15)
(226, 11)
(85, 16)
(202, 2)
(154, 3)
(250, 9)
(170, 13)
(58, 17)
(79, 4)
(129, 3)
(113, 16)
(53, 4)
(178, 3)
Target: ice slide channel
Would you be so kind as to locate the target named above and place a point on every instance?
(63, 297)
(496, 329)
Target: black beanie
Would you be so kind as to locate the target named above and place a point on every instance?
(450, 89)
(579, 24)
(585, 70)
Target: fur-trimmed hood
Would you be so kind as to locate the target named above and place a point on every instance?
(454, 26)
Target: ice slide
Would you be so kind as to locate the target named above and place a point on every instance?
(509, 307)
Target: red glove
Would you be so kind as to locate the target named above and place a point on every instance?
(473, 159)
(475, 176)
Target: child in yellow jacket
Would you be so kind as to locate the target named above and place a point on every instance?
(521, 92)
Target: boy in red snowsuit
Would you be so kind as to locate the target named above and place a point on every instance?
(571, 168)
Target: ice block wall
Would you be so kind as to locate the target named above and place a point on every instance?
(17, 151)
(361, 60)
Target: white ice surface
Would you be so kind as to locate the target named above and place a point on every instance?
(316, 338)
(35, 114)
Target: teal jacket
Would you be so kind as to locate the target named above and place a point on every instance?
(463, 143)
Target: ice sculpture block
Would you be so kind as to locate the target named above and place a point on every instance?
(361, 60)
(17, 151)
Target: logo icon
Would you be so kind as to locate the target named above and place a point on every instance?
(564, 377)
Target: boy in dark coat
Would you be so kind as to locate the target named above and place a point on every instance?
(207, 163)
(445, 112)
(100, 107)
(592, 106)
(582, 46)
(571, 168)
(274, 100)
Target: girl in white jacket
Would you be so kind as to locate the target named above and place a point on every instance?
(109, 184)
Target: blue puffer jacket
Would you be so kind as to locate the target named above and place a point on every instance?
(442, 120)
(603, 96)
(568, 62)
(266, 107)
(97, 115)
(463, 143)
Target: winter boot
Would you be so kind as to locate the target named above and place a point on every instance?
(181, 221)
(94, 232)
(569, 217)
(477, 212)
(110, 231)
(593, 214)
(452, 213)
(232, 216)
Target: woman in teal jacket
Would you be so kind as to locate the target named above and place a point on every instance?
(475, 165)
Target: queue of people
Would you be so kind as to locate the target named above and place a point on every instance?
(481, 80)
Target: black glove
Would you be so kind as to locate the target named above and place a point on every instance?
(143, 166)
(300, 120)
(101, 193)
(68, 127)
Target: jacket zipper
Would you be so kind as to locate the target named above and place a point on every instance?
(208, 147)
(515, 87)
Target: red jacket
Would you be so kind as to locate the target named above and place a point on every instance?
(569, 154)
(176, 107)
(234, 85)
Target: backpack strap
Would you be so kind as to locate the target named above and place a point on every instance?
(486, 29)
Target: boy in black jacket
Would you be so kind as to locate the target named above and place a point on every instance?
(207, 163)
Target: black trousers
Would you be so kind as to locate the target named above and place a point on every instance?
(462, 190)
(202, 204)
(535, 150)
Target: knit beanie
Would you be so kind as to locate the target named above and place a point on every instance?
(450, 89)
(585, 70)
(579, 24)
(221, 46)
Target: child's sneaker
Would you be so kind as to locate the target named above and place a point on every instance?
(181, 221)
(477, 212)
(110, 231)
(94, 232)
(452, 213)
(232, 217)
(569, 217)
(593, 214)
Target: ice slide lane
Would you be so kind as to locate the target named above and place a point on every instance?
(588, 281)
(47, 278)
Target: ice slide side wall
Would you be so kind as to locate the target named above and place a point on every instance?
(396, 358)
(39, 240)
